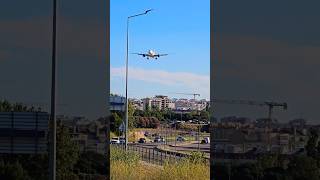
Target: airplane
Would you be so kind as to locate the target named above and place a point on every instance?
(151, 54)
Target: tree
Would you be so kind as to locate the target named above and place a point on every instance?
(311, 147)
(92, 163)
(6, 106)
(276, 173)
(244, 171)
(131, 119)
(266, 162)
(13, 171)
(303, 168)
(67, 153)
(116, 121)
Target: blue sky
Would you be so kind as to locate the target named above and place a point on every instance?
(180, 29)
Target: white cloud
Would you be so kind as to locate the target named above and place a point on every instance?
(193, 82)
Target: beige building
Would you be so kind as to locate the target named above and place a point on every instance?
(162, 102)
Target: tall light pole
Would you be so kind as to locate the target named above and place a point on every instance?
(52, 153)
(127, 57)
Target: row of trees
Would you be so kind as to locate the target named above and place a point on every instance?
(151, 118)
(6, 106)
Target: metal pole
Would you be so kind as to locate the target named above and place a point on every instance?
(127, 60)
(198, 134)
(126, 119)
(52, 158)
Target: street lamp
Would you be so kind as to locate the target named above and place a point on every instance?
(127, 57)
(52, 150)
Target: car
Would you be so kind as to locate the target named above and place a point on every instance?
(146, 134)
(180, 138)
(142, 140)
(159, 139)
(122, 140)
(163, 139)
(115, 140)
(206, 140)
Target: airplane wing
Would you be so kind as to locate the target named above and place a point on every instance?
(141, 54)
(162, 55)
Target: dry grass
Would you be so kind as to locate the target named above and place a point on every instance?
(128, 167)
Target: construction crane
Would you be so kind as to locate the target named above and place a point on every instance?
(193, 94)
(194, 98)
(269, 104)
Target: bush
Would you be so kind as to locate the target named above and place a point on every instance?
(13, 171)
(197, 158)
(147, 122)
(117, 154)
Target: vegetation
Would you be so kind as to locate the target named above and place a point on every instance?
(151, 118)
(127, 165)
(6, 106)
(13, 171)
(273, 167)
(67, 153)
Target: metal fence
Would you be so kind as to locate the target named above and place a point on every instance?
(154, 155)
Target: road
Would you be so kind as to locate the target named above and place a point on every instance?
(182, 148)
(192, 147)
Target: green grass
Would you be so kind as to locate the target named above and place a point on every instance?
(127, 165)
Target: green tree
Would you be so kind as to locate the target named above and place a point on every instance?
(67, 153)
(116, 121)
(131, 119)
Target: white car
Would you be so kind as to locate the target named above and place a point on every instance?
(115, 140)
(122, 140)
(206, 140)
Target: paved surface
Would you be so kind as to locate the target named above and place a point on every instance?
(193, 147)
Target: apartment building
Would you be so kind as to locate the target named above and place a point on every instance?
(162, 102)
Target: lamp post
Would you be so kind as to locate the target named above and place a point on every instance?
(52, 151)
(127, 57)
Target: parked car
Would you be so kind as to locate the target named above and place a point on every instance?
(180, 138)
(142, 140)
(206, 140)
(115, 140)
